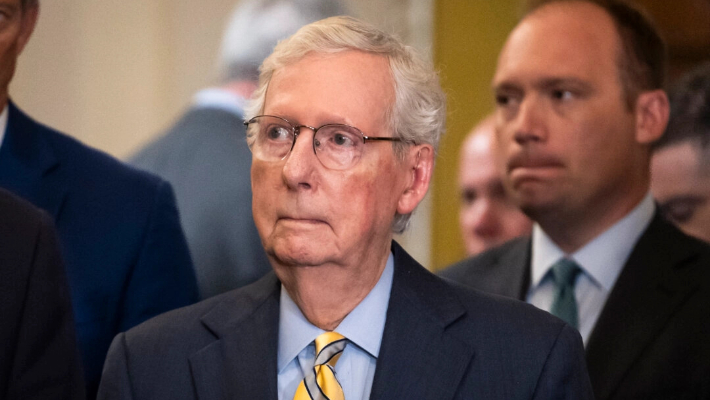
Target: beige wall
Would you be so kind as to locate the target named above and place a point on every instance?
(114, 74)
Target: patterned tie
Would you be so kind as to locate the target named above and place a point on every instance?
(322, 384)
(564, 306)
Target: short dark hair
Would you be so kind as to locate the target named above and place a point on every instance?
(25, 4)
(643, 58)
(690, 111)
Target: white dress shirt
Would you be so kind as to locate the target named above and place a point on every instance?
(601, 261)
(363, 327)
(3, 124)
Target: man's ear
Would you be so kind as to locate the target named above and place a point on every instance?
(652, 110)
(29, 20)
(420, 162)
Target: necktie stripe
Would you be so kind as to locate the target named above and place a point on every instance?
(329, 351)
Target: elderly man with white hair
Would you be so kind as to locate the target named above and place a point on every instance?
(343, 131)
(204, 154)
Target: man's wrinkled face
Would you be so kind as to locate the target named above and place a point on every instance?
(487, 215)
(16, 27)
(565, 132)
(680, 182)
(307, 214)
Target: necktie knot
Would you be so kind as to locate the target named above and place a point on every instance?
(329, 346)
(565, 271)
(564, 304)
(323, 384)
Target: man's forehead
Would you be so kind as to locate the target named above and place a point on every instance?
(563, 40)
(349, 83)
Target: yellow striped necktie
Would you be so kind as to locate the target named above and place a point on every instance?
(322, 384)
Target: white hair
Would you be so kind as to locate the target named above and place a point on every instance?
(257, 25)
(418, 114)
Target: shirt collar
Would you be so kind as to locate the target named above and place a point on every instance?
(604, 257)
(363, 326)
(221, 99)
(3, 123)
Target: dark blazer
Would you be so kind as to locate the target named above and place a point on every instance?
(651, 339)
(38, 354)
(206, 159)
(440, 342)
(119, 231)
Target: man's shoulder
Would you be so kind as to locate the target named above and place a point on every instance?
(186, 329)
(207, 129)
(508, 258)
(83, 160)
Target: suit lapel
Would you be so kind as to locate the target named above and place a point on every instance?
(513, 270)
(418, 358)
(28, 163)
(651, 288)
(241, 362)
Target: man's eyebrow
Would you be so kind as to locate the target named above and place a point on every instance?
(506, 86)
(575, 82)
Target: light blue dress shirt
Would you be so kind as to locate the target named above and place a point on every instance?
(363, 327)
(601, 261)
(221, 99)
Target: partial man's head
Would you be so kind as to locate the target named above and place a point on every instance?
(680, 167)
(256, 26)
(487, 216)
(343, 129)
(17, 21)
(579, 101)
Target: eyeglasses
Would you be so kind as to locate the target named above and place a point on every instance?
(337, 146)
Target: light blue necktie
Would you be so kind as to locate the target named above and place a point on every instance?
(564, 305)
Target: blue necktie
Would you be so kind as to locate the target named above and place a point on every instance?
(564, 305)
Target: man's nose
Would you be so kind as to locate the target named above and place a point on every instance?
(484, 218)
(528, 124)
(301, 160)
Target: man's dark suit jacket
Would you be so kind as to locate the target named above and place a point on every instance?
(652, 339)
(119, 232)
(440, 342)
(38, 354)
(206, 159)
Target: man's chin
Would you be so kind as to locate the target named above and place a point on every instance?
(298, 252)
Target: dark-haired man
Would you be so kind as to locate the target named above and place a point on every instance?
(680, 167)
(579, 101)
(124, 250)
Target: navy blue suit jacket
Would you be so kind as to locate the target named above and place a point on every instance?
(119, 231)
(440, 342)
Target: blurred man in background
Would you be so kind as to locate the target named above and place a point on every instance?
(580, 100)
(119, 231)
(205, 155)
(680, 167)
(487, 215)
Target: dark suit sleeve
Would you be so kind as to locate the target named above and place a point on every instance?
(46, 363)
(564, 375)
(162, 278)
(115, 381)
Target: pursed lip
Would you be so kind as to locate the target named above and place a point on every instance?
(525, 160)
(301, 219)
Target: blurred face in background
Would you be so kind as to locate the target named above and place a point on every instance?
(487, 216)
(16, 26)
(680, 182)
